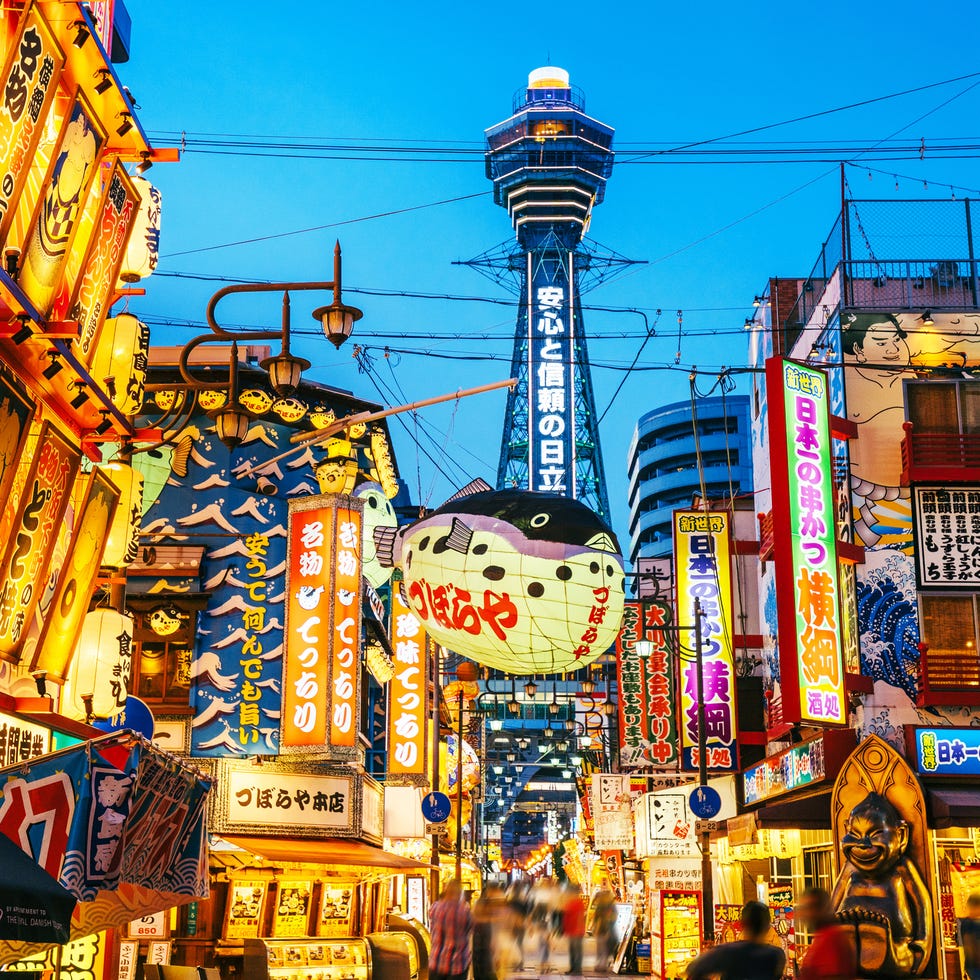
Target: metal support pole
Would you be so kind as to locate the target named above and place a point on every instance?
(436, 668)
(459, 788)
(707, 892)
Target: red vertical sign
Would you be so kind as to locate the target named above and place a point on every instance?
(345, 636)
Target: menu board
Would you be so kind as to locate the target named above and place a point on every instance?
(246, 901)
(681, 935)
(336, 905)
(292, 916)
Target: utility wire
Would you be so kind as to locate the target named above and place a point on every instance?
(332, 224)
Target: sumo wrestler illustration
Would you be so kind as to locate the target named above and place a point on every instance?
(880, 896)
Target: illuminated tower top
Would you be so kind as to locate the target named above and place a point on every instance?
(549, 161)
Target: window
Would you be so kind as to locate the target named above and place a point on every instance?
(944, 407)
(163, 643)
(949, 630)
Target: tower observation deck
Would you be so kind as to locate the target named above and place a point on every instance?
(549, 163)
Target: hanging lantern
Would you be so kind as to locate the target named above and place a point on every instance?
(524, 582)
(122, 545)
(143, 250)
(338, 472)
(447, 765)
(98, 679)
(120, 361)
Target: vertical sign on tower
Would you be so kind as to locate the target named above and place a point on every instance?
(702, 559)
(811, 669)
(551, 381)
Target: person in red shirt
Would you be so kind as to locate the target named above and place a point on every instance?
(831, 955)
(573, 926)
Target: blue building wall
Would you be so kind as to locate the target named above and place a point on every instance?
(663, 472)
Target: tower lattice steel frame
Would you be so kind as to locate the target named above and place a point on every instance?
(549, 163)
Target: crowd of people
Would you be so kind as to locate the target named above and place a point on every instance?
(516, 930)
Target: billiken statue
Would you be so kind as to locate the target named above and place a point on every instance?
(880, 894)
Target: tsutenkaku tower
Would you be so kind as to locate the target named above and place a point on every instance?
(549, 163)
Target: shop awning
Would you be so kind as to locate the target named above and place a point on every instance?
(117, 823)
(329, 851)
(811, 812)
(953, 807)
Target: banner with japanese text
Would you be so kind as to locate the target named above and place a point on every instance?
(321, 669)
(31, 74)
(702, 560)
(120, 826)
(32, 531)
(407, 693)
(612, 812)
(811, 669)
(648, 735)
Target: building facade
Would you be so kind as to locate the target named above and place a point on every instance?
(663, 465)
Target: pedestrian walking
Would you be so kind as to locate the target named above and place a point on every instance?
(750, 958)
(451, 933)
(573, 927)
(831, 955)
(969, 930)
(483, 946)
(603, 928)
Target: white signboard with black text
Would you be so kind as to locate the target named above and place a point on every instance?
(947, 526)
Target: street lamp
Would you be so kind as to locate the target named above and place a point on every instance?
(285, 369)
(530, 689)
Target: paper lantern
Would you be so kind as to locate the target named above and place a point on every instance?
(143, 250)
(524, 582)
(120, 361)
(101, 666)
(448, 765)
(378, 512)
(122, 545)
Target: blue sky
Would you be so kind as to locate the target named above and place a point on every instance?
(445, 71)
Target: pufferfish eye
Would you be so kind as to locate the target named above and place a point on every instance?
(539, 520)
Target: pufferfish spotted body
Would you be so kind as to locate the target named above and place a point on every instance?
(521, 581)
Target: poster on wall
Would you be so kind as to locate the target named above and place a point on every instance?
(612, 812)
(292, 915)
(336, 908)
(647, 687)
(702, 558)
(245, 909)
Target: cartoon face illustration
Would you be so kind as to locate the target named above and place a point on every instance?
(289, 409)
(378, 512)
(164, 621)
(515, 580)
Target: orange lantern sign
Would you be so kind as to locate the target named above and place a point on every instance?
(100, 270)
(36, 522)
(407, 692)
(76, 581)
(34, 64)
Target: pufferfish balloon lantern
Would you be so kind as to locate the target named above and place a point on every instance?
(521, 581)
